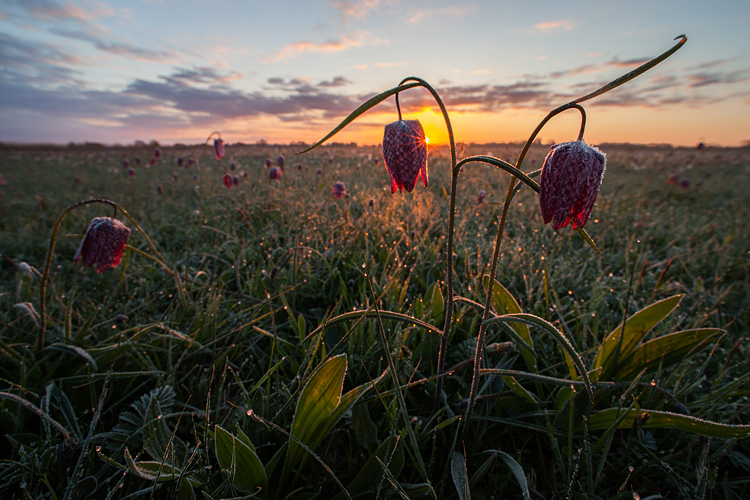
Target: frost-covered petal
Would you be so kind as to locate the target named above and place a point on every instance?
(405, 154)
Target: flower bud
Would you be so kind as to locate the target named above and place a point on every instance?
(571, 177)
(405, 154)
(219, 148)
(103, 243)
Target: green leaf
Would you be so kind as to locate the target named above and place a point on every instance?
(518, 389)
(504, 303)
(243, 466)
(150, 470)
(652, 419)
(665, 351)
(460, 478)
(636, 327)
(438, 304)
(369, 477)
(315, 407)
(517, 471)
(559, 336)
(73, 349)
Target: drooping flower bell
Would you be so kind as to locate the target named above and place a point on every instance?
(571, 177)
(480, 196)
(405, 154)
(281, 161)
(339, 190)
(274, 173)
(227, 180)
(103, 243)
(219, 148)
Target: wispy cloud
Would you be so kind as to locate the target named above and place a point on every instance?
(600, 67)
(123, 49)
(297, 48)
(353, 9)
(545, 27)
(419, 16)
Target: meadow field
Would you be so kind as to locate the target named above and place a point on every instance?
(279, 342)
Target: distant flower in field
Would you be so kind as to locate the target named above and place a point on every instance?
(371, 202)
(227, 180)
(219, 148)
(153, 160)
(268, 163)
(319, 171)
(103, 243)
(280, 160)
(175, 177)
(243, 174)
(190, 162)
(700, 147)
(125, 163)
(674, 179)
(196, 178)
(339, 190)
(481, 196)
(131, 172)
(235, 180)
(571, 177)
(405, 154)
(137, 161)
(233, 166)
(179, 161)
(684, 183)
(299, 166)
(77, 180)
(274, 173)
(157, 153)
(2, 181)
(159, 189)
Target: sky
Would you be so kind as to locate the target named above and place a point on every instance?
(284, 71)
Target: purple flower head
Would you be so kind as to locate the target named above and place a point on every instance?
(481, 196)
(674, 179)
(179, 161)
(274, 173)
(175, 177)
(233, 166)
(268, 163)
(339, 190)
(280, 160)
(125, 163)
(405, 154)
(571, 177)
(684, 183)
(319, 171)
(153, 160)
(157, 153)
(131, 172)
(227, 180)
(103, 243)
(219, 148)
(299, 166)
(190, 162)
(235, 180)
(159, 189)
(137, 161)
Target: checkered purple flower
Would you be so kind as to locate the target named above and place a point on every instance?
(405, 154)
(103, 243)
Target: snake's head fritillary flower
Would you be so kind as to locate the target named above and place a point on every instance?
(267, 163)
(137, 161)
(125, 163)
(227, 180)
(235, 180)
(480, 196)
(233, 166)
(157, 153)
(684, 183)
(274, 173)
(339, 190)
(405, 154)
(219, 148)
(159, 189)
(190, 162)
(179, 161)
(280, 160)
(131, 172)
(674, 179)
(153, 160)
(571, 177)
(103, 243)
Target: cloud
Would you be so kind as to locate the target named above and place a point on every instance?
(122, 49)
(296, 48)
(553, 25)
(338, 81)
(353, 9)
(418, 16)
(204, 75)
(34, 63)
(599, 67)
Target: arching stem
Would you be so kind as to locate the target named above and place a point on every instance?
(51, 249)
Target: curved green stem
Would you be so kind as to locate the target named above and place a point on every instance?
(51, 249)
(449, 250)
(574, 104)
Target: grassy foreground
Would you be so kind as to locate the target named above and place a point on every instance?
(187, 382)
